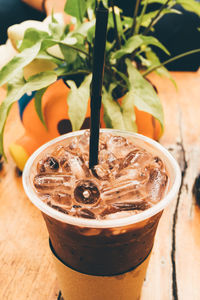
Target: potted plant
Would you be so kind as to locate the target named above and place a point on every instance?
(51, 53)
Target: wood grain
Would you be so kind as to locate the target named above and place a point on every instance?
(175, 266)
(26, 270)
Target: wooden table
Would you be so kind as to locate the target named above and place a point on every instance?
(26, 269)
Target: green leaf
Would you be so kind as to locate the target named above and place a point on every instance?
(71, 46)
(118, 21)
(146, 20)
(56, 30)
(68, 43)
(91, 4)
(105, 3)
(62, 71)
(128, 112)
(144, 62)
(22, 59)
(145, 97)
(162, 71)
(76, 8)
(156, 1)
(135, 42)
(150, 40)
(123, 76)
(69, 54)
(18, 88)
(38, 105)
(190, 5)
(127, 22)
(39, 81)
(91, 35)
(56, 27)
(112, 112)
(84, 27)
(46, 56)
(32, 36)
(75, 38)
(53, 19)
(77, 101)
(131, 44)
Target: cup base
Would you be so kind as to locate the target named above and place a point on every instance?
(75, 285)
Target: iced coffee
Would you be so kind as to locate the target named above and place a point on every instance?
(101, 221)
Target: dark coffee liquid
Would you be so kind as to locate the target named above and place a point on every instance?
(109, 251)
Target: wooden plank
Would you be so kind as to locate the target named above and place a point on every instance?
(175, 266)
(26, 267)
(188, 216)
(159, 281)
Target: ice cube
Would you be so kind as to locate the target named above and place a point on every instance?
(119, 146)
(137, 157)
(58, 151)
(121, 191)
(84, 138)
(85, 159)
(49, 182)
(103, 140)
(60, 208)
(101, 172)
(62, 198)
(78, 168)
(137, 175)
(109, 210)
(83, 142)
(86, 213)
(124, 209)
(48, 165)
(73, 147)
(107, 167)
(158, 162)
(156, 184)
(109, 158)
(137, 205)
(60, 201)
(86, 192)
(73, 164)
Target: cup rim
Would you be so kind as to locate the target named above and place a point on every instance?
(91, 223)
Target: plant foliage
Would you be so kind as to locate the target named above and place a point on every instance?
(129, 58)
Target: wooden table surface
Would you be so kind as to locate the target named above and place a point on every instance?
(26, 269)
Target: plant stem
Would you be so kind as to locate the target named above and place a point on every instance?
(118, 43)
(170, 60)
(77, 49)
(135, 17)
(71, 47)
(137, 29)
(146, 31)
(59, 60)
(60, 72)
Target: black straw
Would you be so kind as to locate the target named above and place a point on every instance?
(97, 81)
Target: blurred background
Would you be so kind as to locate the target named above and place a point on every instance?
(178, 32)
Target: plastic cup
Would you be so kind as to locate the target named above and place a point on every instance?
(103, 259)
